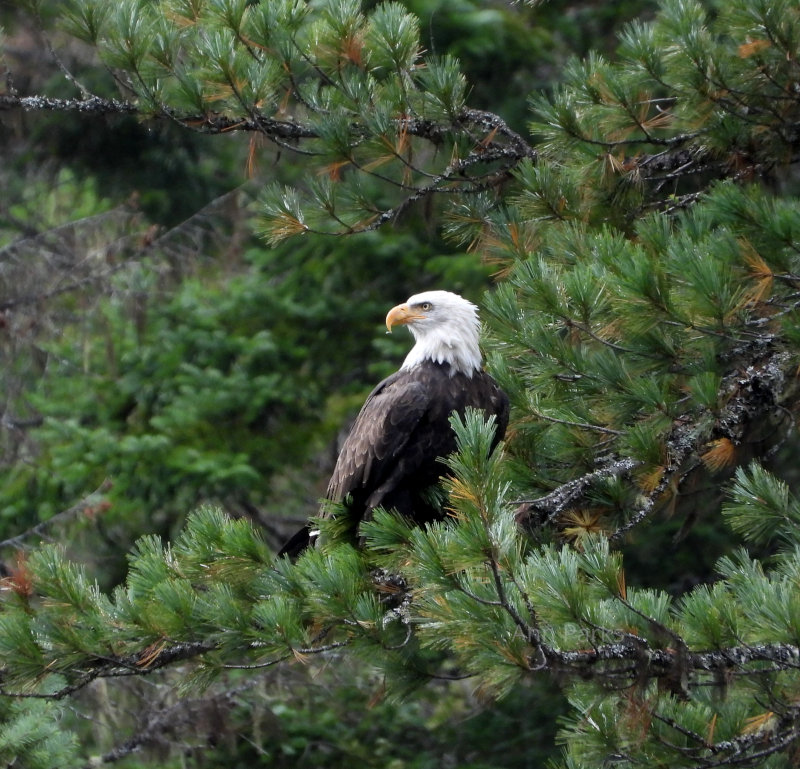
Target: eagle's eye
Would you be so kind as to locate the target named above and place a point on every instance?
(425, 306)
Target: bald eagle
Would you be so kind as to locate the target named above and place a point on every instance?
(393, 455)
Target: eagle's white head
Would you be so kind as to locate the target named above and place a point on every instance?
(445, 327)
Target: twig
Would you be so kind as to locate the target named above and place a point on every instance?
(569, 423)
(77, 509)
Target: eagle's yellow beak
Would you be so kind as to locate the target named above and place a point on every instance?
(400, 316)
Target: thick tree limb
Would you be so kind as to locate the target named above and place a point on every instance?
(94, 105)
(682, 158)
(545, 509)
(629, 660)
(752, 392)
(283, 129)
(663, 663)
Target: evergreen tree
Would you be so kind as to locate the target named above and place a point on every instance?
(645, 325)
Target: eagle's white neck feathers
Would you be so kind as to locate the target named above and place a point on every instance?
(446, 329)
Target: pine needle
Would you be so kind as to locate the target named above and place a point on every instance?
(648, 480)
(712, 726)
(752, 47)
(582, 523)
(760, 272)
(760, 723)
(460, 490)
(334, 169)
(151, 653)
(721, 454)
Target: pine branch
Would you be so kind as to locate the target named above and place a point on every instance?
(210, 124)
(545, 509)
(94, 105)
(666, 664)
(752, 391)
(682, 158)
(137, 664)
(630, 660)
(514, 146)
(747, 749)
(496, 126)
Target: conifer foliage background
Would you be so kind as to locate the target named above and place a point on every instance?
(636, 540)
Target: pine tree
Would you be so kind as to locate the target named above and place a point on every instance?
(644, 324)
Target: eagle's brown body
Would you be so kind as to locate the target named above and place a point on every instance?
(392, 456)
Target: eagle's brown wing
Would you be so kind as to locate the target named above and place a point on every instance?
(379, 435)
(392, 455)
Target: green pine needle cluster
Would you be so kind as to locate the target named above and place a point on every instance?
(473, 600)
(615, 342)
